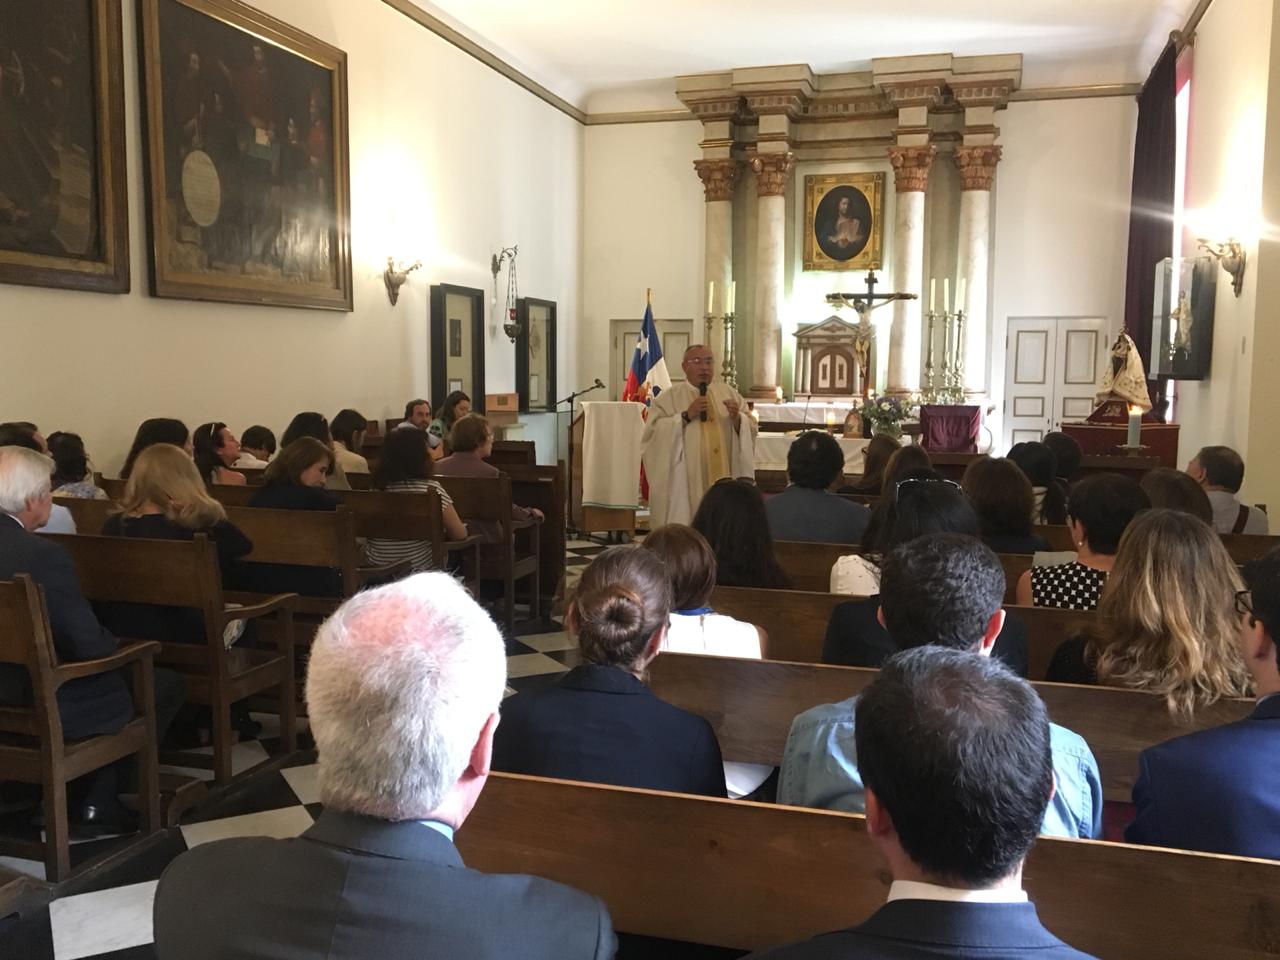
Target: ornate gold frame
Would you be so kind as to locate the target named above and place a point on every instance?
(871, 186)
(168, 282)
(110, 274)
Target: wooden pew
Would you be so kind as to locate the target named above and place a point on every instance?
(1241, 547)
(750, 876)
(953, 465)
(89, 515)
(185, 573)
(796, 621)
(751, 704)
(543, 486)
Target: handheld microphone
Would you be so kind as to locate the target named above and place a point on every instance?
(702, 392)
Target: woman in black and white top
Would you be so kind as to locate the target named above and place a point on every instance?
(405, 467)
(1100, 508)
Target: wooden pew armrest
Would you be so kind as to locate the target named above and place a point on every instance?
(400, 568)
(465, 544)
(525, 524)
(250, 608)
(130, 652)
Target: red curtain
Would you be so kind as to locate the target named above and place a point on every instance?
(1151, 204)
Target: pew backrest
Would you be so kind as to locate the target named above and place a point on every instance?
(307, 538)
(90, 515)
(751, 704)
(765, 875)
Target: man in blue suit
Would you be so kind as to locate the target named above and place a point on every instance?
(1219, 790)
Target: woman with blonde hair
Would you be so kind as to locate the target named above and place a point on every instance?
(1166, 621)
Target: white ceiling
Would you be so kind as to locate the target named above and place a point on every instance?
(586, 50)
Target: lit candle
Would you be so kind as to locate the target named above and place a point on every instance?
(733, 296)
(711, 293)
(933, 295)
(778, 394)
(831, 417)
(1134, 439)
(946, 294)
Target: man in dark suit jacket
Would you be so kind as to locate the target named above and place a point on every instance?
(89, 706)
(807, 509)
(1219, 790)
(403, 687)
(955, 845)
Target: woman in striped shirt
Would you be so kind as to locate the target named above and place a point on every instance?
(405, 466)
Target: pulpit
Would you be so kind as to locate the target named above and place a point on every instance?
(950, 428)
(604, 487)
(1107, 439)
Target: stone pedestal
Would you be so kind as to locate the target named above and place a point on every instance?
(772, 172)
(911, 167)
(977, 165)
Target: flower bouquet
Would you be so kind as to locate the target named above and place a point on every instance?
(885, 414)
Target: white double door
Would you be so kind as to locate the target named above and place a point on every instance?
(676, 335)
(1053, 367)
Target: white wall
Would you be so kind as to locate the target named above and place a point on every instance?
(1225, 173)
(1061, 217)
(643, 226)
(1263, 475)
(449, 162)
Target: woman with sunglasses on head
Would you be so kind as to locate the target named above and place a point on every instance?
(1099, 510)
(216, 449)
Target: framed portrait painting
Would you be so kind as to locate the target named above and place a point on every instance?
(457, 344)
(246, 157)
(536, 355)
(64, 220)
(844, 221)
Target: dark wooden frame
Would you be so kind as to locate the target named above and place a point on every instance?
(548, 405)
(111, 273)
(440, 344)
(229, 289)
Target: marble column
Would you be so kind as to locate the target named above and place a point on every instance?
(719, 178)
(911, 167)
(772, 172)
(977, 165)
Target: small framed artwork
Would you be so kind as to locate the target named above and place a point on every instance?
(536, 355)
(844, 221)
(246, 157)
(457, 343)
(64, 219)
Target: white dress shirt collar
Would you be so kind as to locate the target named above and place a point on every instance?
(914, 890)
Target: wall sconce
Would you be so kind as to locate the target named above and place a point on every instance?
(1231, 256)
(510, 325)
(395, 278)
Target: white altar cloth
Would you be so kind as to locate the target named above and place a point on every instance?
(771, 451)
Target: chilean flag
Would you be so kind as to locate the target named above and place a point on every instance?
(648, 375)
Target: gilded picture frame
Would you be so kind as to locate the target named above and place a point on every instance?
(844, 221)
(248, 176)
(64, 218)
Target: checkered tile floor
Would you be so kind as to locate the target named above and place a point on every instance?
(107, 915)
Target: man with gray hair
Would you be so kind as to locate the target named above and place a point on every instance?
(403, 690)
(88, 706)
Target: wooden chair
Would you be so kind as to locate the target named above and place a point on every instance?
(34, 751)
(750, 876)
(185, 573)
(796, 622)
(489, 500)
(751, 704)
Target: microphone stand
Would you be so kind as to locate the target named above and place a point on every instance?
(570, 400)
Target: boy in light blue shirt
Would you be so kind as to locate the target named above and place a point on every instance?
(944, 589)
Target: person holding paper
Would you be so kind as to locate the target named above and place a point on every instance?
(697, 433)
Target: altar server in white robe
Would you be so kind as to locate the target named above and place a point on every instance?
(685, 454)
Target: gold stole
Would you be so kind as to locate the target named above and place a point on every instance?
(715, 453)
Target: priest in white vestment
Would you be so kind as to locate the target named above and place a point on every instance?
(684, 454)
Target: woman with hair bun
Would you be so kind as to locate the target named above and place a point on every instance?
(600, 722)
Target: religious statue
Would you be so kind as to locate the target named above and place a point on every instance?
(1124, 384)
(1184, 320)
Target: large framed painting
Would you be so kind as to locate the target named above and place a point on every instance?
(64, 219)
(844, 221)
(457, 344)
(536, 355)
(247, 170)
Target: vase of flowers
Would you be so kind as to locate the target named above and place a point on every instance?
(885, 414)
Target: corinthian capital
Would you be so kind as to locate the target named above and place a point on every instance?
(977, 166)
(911, 167)
(772, 171)
(719, 178)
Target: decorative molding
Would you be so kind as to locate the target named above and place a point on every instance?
(1086, 92)
(639, 116)
(719, 178)
(783, 102)
(977, 166)
(924, 92)
(496, 63)
(981, 93)
(773, 170)
(911, 167)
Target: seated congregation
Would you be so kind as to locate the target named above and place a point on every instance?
(925, 725)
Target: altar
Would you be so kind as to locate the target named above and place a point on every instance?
(771, 451)
(814, 413)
